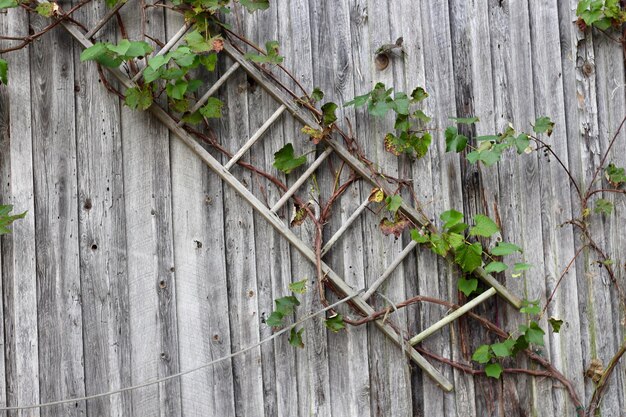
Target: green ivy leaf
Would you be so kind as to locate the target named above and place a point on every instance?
(254, 5)
(212, 109)
(495, 267)
(130, 49)
(465, 120)
(158, 61)
(455, 142)
(543, 125)
(329, 116)
(275, 319)
(467, 286)
(420, 115)
(503, 248)
(469, 256)
(286, 161)
(197, 42)
(335, 323)
(493, 370)
(286, 305)
(393, 203)
(451, 218)
(482, 354)
(556, 324)
(295, 337)
(139, 98)
(484, 226)
(4, 72)
(298, 287)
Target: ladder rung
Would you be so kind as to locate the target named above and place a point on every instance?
(169, 45)
(389, 269)
(310, 170)
(255, 137)
(452, 316)
(345, 226)
(105, 19)
(215, 87)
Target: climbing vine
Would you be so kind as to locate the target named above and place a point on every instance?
(171, 74)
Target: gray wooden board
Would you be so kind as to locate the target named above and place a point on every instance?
(200, 267)
(56, 213)
(151, 271)
(483, 56)
(102, 222)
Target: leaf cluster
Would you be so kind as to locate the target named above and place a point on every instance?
(602, 14)
(409, 138)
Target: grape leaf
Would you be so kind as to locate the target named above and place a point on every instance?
(556, 324)
(137, 98)
(419, 236)
(615, 175)
(455, 142)
(521, 266)
(212, 109)
(393, 203)
(47, 9)
(530, 307)
(465, 120)
(484, 226)
(299, 287)
(271, 57)
(469, 256)
(254, 5)
(451, 218)
(603, 206)
(6, 219)
(495, 267)
(418, 94)
(493, 370)
(286, 161)
(335, 323)
(521, 143)
(502, 350)
(286, 305)
(543, 125)
(532, 333)
(329, 116)
(317, 94)
(7, 4)
(275, 319)
(393, 227)
(358, 101)
(295, 338)
(504, 248)
(4, 72)
(467, 286)
(482, 354)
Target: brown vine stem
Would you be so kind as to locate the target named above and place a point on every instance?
(556, 287)
(602, 384)
(603, 161)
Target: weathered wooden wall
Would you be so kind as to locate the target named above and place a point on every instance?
(136, 262)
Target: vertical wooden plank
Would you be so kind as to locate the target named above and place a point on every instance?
(20, 296)
(152, 287)
(201, 285)
(102, 225)
(606, 313)
(445, 168)
(5, 196)
(58, 278)
(519, 175)
(239, 231)
(556, 201)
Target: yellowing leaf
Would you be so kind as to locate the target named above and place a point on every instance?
(376, 196)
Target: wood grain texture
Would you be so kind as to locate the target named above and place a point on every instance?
(102, 241)
(149, 236)
(164, 267)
